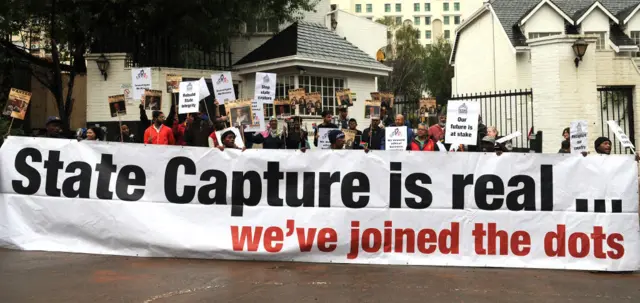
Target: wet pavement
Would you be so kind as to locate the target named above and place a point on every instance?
(60, 277)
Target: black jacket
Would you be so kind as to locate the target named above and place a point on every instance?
(269, 142)
(376, 141)
(197, 133)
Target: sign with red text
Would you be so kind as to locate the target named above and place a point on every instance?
(446, 209)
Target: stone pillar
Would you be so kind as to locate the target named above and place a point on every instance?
(563, 92)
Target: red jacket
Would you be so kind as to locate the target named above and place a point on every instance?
(178, 132)
(164, 136)
(428, 146)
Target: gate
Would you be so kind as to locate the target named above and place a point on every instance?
(616, 103)
(508, 112)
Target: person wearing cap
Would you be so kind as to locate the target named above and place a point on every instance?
(603, 146)
(229, 141)
(326, 123)
(272, 138)
(53, 127)
(158, 133)
(336, 138)
(297, 138)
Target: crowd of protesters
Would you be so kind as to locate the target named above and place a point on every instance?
(201, 130)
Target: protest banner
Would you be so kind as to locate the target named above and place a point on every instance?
(462, 122)
(464, 209)
(117, 106)
(140, 81)
(189, 100)
(578, 134)
(371, 109)
(265, 90)
(223, 87)
(323, 138)
(173, 83)
(17, 104)
(396, 138)
(619, 133)
(152, 99)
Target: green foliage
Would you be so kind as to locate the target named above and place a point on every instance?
(438, 71)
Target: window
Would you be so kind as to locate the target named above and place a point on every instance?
(398, 20)
(427, 34)
(416, 7)
(456, 20)
(601, 38)
(369, 8)
(416, 20)
(427, 20)
(262, 26)
(327, 88)
(427, 7)
(447, 34)
(445, 7)
(540, 35)
(635, 36)
(446, 20)
(283, 85)
(456, 6)
(387, 8)
(398, 7)
(358, 8)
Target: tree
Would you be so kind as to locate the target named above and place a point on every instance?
(71, 26)
(437, 70)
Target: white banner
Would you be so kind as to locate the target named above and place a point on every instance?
(265, 90)
(189, 100)
(140, 80)
(464, 209)
(395, 138)
(223, 87)
(578, 134)
(462, 122)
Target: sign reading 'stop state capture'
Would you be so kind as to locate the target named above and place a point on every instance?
(463, 209)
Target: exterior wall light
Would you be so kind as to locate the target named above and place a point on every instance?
(579, 48)
(103, 65)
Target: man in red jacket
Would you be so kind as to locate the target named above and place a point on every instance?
(157, 133)
(422, 141)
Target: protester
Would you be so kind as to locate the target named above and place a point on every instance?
(272, 138)
(386, 117)
(400, 121)
(353, 125)
(482, 133)
(343, 119)
(436, 131)
(53, 128)
(565, 148)
(197, 129)
(603, 146)
(158, 133)
(487, 144)
(422, 140)
(94, 134)
(566, 133)
(229, 141)
(492, 132)
(297, 138)
(127, 136)
(374, 136)
(336, 138)
(326, 123)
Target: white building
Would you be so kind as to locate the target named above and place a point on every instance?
(310, 54)
(433, 18)
(528, 44)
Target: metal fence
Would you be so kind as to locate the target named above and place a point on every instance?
(508, 111)
(616, 103)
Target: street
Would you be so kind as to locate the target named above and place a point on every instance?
(61, 277)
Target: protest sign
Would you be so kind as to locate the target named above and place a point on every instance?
(265, 90)
(509, 137)
(282, 108)
(579, 131)
(313, 104)
(462, 122)
(343, 98)
(17, 104)
(349, 137)
(125, 90)
(152, 99)
(239, 142)
(323, 138)
(204, 89)
(117, 106)
(427, 107)
(240, 112)
(173, 83)
(396, 138)
(371, 109)
(462, 209)
(619, 133)
(140, 81)
(223, 87)
(257, 113)
(189, 100)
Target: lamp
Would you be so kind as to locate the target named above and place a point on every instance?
(579, 48)
(103, 65)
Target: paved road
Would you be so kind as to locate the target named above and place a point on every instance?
(59, 277)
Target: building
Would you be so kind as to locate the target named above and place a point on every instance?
(433, 18)
(326, 51)
(529, 44)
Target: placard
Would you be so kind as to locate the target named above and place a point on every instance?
(282, 108)
(579, 132)
(343, 98)
(323, 138)
(462, 122)
(619, 133)
(265, 91)
(125, 89)
(239, 142)
(204, 89)
(313, 104)
(117, 105)
(223, 87)
(349, 137)
(396, 138)
(152, 99)
(173, 83)
(17, 104)
(189, 100)
(240, 112)
(428, 107)
(371, 109)
(140, 81)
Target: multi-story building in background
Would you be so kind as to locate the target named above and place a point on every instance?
(433, 18)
